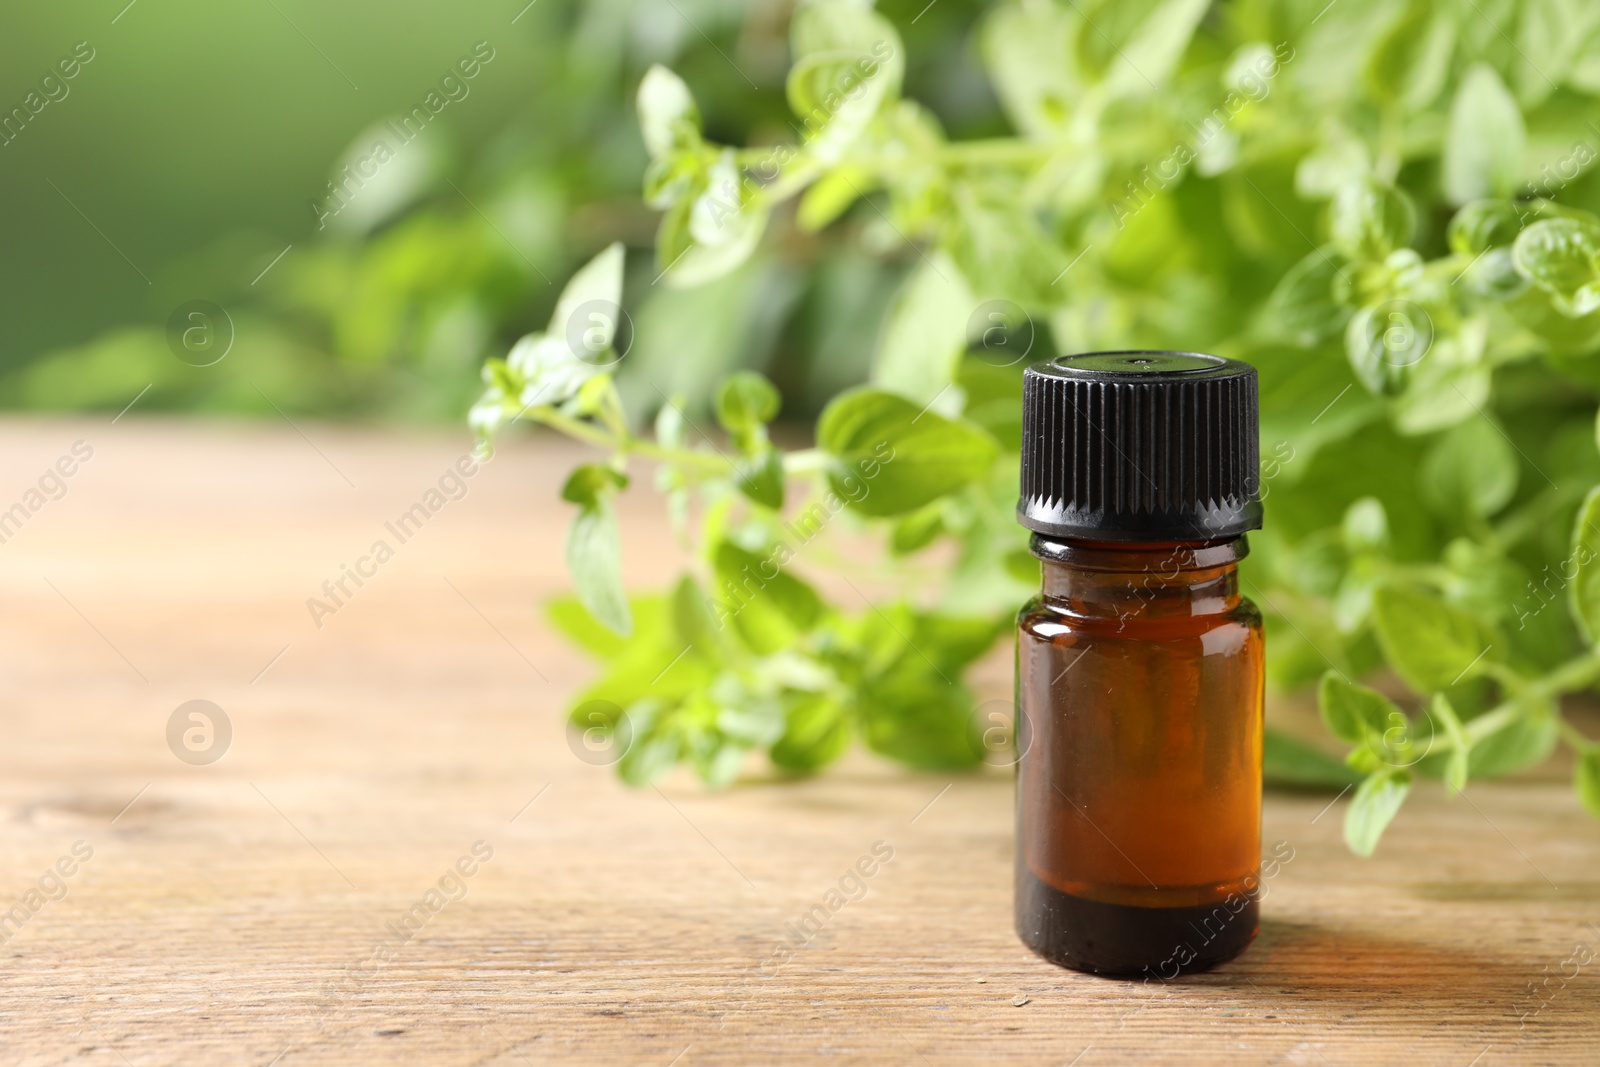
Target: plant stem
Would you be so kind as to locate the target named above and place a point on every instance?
(1490, 722)
(1574, 737)
(626, 443)
(577, 428)
(1580, 672)
(805, 461)
(681, 456)
(1577, 673)
(798, 462)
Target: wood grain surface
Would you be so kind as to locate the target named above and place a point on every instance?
(273, 907)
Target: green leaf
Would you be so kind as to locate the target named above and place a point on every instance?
(745, 401)
(839, 26)
(1147, 61)
(1341, 158)
(650, 664)
(925, 333)
(1494, 275)
(816, 734)
(848, 60)
(917, 530)
(1562, 257)
(836, 95)
(692, 621)
(831, 195)
(1376, 801)
(1471, 470)
(1483, 149)
(687, 341)
(668, 118)
(586, 315)
(1388, 345)
(994, 393)
(1353, 712)
(1029, 53)
(893, 641)
(1310, 402)
(1000, 248)
(1584, 591)
(1430, 643)
(769, 607)
(1366, 526)
(706, 237)
(568, 615)
(1288, 762)
(1586, 779)
(760, 477)
(717, 760)
(954, 641)
(1449, 386)
(553, 366)
(1411, 61)
(655, 746)
(669, 182)
(594, 547)
(551, 372)
(754, 722)
(589, 482)
(1550, 34)
(891, 457)
(1524, 742)
(1482, 225)
(501, 401)
(1370, 219)
(594, 558)
(920, 719)
(1301, 308)
(1457, 762)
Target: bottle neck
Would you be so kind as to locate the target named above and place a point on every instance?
(1141, 580)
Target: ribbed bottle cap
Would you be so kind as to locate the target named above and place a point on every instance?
(1140, 446)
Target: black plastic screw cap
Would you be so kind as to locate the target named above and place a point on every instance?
(1140, 446)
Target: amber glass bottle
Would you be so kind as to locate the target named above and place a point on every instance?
(1139, 667)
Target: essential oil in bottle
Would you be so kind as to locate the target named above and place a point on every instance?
(1139, 666)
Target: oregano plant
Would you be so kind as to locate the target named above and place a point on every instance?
(1387, 208)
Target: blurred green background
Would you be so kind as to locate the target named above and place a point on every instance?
(188, 151)
(1364, 184)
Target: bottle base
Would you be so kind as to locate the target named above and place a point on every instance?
(1129, 941)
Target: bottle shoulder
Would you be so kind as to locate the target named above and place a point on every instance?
(1049, 618)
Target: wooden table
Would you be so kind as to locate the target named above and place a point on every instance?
(230, 912)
